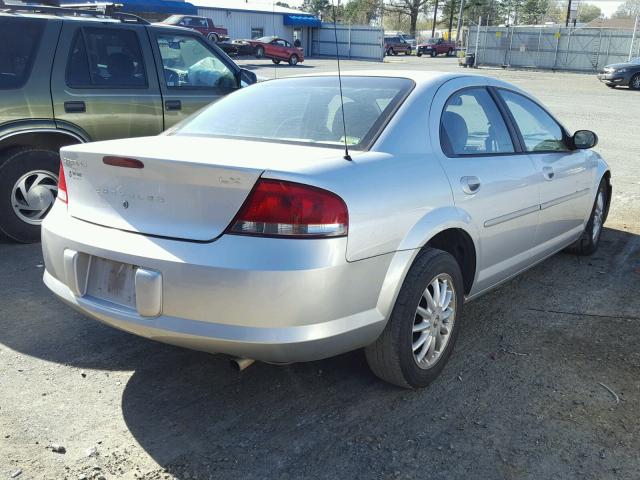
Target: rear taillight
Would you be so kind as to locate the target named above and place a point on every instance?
(279, 208)
(62, 186)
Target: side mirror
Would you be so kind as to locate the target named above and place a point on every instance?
(247, 77)
(584, 139)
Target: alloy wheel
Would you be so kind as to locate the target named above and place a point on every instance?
(598, 214)
(635, 82)
(434, 319)
(33, 195)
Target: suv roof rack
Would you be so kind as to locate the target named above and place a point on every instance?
(96, 10)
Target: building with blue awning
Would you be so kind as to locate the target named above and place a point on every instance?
(246, 19)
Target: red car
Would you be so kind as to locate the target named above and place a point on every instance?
(436, 46)
(277, 50)
(201, 24)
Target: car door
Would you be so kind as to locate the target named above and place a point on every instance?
(103, 81)
(492, 180)
(192, 73)
(567, 174)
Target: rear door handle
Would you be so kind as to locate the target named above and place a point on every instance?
(75, 107)
(470, 185)
(172, 105)
(548, 173)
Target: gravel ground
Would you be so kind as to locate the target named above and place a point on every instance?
(525, 394)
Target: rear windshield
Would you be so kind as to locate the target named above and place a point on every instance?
(19, 39)
(303, 110)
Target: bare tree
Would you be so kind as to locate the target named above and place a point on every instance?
(410, 8)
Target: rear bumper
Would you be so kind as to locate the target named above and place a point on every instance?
(269, 299)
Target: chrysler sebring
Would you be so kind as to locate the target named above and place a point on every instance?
(260, 238)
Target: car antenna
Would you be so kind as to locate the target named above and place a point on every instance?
(344, 122)
(273, 29)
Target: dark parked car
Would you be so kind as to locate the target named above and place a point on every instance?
(203, 25)
(72, 76)
(436, 46)
(395, 45)
(622, 74)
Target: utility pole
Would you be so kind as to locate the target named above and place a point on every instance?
(459, 27)
(566, 23)
(435, 17)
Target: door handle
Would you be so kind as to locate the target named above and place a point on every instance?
(172, 105)
(470, 185)
(75, 107)
(548, 173)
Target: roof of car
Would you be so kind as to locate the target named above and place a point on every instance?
(418, 76)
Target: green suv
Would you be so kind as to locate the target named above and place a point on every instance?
(69, 76)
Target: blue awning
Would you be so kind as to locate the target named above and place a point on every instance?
(151, 6)
(301, 21)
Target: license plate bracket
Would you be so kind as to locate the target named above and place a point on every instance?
(112, 281)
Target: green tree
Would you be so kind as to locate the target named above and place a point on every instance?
(317, 7)
(588, 12)
(283, 4)
(533, 12)
(362, 11)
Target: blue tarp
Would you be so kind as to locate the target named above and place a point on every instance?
(154, 6)
(301, 21)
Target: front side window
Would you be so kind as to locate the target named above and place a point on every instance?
(189, 63)
(310, 115)
(540, 132)
(105, 58)
(19, 40)
(471, 124)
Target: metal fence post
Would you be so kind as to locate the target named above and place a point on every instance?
(555, 58)
(538, 53)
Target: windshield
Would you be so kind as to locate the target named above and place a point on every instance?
(264, 39)
(303, 110)
(431, 40)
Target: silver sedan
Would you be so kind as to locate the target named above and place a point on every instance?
(288, 231)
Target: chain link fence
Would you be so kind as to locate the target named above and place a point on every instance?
(552, 48)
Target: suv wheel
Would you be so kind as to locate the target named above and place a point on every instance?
(293, 60)
(450, 52)
(260, 52)
(213, 37)
(433, 53)
(419, 336)
(390, 52)
(407, 51)
(28, 188)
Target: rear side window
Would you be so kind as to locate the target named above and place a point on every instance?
(107, 58)
(19, 40)
(471, 124)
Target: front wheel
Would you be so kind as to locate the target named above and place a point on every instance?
(634, 84)
(28, 188)
(418, 53)
(407, 52)
(275, 60)
(422, 330)
(590, 239)
(293, 60)
(433, 53)
(389, 52)
(213, 37)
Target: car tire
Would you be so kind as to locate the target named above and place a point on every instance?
(390, 52)
(610, 85)
(418, 53)
(293, 60)
(213, 37)
(588, 242)
(433, 53)
(395, 355)
(450, 52)
(634, 83)
(29, 179)
(408, 52)
(260, 52)
(275, 60)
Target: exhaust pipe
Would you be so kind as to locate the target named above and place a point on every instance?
(240, 363)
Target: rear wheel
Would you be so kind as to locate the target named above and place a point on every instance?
(390, 52)
(275, 60)
(421, 332)
(634, 84)
(28, 188)
(590, 238)
(260, 52)
(213, 37)
(293, 60)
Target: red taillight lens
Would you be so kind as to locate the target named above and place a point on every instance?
(278, 208)
(62, 186)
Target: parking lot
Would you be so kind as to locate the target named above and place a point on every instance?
(544, 381)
